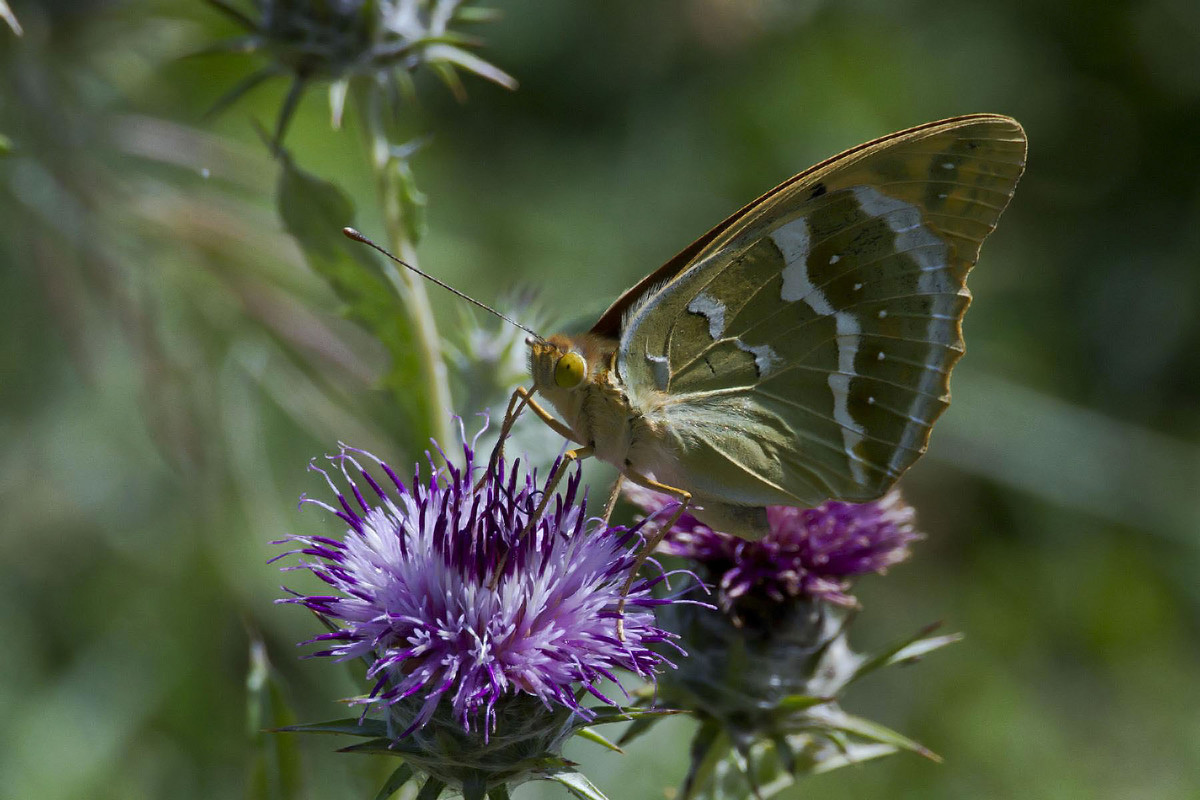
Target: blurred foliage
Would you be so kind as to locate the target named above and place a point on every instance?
(170, 362)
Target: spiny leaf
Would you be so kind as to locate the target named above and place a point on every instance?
(402, 775)
(592, 736)
(801, 702)
(384, 747)
(607, 714)
(576, 783)
(639, 727)
(234, 14)
(855, 753)
(709, 746)
(8, 16)
(370, 728)
(920, 648)
(474, 788)
(275, 760)
(900, 650)
(873, 731)
(431, 790)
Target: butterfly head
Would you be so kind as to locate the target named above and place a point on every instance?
(557, 363)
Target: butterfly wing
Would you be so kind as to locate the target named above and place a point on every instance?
(802, 349)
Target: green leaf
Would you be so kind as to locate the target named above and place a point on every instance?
(413, 201)
(906, 649)
(851, 754)
(920, 648)
(476, 14)
(801, 702)
(402, 775)
(474, 788)
(8, 16)
(431, 790)
(498, 793)
(637, 729)
(709, 746)
(314, 212)
(577, 784)
(606, 714)
(384, 747)
(592, 736)
(352, 727)
(873, 731)
(274, 760)
(441, 54)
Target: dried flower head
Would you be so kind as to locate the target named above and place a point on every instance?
(808, 551)
(482, 638)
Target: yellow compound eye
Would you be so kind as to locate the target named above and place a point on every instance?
(568, 372)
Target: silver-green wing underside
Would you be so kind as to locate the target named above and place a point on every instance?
(805, 352)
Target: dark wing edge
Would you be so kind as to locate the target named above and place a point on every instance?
(609, 324)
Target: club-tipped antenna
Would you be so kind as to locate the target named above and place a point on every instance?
(351, 233)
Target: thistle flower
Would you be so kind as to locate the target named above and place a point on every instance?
(339, 41)
(766, 675)
(808, 551)
(482, 638)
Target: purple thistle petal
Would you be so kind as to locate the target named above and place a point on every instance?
(413, 577)
(808, 551)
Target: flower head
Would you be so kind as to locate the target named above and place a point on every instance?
(808, 551)
(766, 677)
(377, 41)
(460, 603)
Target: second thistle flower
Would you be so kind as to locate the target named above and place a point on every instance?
(766, 674)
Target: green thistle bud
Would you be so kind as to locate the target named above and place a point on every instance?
(378, 43)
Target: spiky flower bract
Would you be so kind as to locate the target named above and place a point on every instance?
(375, 42)
(483, 629)
(766, 675)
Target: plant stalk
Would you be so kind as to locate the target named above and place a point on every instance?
(435, 383)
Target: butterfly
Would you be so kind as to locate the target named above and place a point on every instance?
(800, 350)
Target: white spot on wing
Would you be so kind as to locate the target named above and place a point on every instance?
(661, 370)
(711, 309)
(764, 357)
(929, 252)
(833, 259)
(792, 240)
(947, 165)
(839, 383)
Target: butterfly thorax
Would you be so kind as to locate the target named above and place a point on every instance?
(592, 403)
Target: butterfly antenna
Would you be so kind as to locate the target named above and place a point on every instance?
(351, 233)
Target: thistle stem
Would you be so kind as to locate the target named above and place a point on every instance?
(435, 383)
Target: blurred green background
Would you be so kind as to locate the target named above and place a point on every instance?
(168, 365)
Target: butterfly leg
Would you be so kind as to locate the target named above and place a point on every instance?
(521, 398)
(612, 497)
(684, 497)
(516, 404)
(568, 458)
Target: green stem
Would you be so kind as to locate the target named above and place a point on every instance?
(411, 289)
(435, 383)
